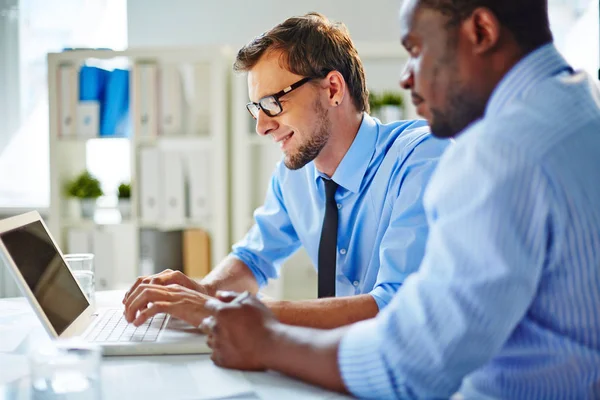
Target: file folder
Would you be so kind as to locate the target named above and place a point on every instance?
(67, 99)
(150, 175)
(171, 100)
(146, 82)
(197, 167)
(173, 188)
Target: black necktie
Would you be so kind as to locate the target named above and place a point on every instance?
(328, 243)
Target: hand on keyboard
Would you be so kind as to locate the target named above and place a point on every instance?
(181, 302)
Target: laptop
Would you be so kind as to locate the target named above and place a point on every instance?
(39, 268)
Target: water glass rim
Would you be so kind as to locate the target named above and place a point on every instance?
(79, 256)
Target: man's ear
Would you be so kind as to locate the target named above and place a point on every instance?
(482, 29)
(336, 88)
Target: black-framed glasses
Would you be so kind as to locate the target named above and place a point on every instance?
(270, 104)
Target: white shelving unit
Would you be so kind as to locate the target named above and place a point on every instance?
(68, 155)
(254, 160)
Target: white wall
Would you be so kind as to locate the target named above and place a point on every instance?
(235, 22)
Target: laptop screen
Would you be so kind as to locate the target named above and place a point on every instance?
(46, 274)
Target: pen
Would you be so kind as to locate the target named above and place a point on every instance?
(240, 297)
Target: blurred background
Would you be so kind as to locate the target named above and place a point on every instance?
(181, 44)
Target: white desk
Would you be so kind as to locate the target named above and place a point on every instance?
(16, 316)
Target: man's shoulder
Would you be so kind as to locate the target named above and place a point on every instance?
(405, 137)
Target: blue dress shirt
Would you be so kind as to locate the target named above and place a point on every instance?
(508, 294)
(381, 218)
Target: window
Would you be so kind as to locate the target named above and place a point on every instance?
(575, 25)
(29, 29)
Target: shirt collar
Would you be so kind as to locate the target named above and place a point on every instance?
(528, 72)
(351, 170)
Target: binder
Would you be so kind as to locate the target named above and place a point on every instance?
(196, 253)
(173, 187)
(88, 119)
(201, 107)
(146, 82)
(171, 100)
(67, 99)
(79, 241)
(104, 259)
(150, 175)
(160, 250)
(197, 167)
(115, 121)
(92, 85)
(124, 237)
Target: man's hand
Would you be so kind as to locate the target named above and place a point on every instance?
(164, 278)
(239, 333)
(180, 302)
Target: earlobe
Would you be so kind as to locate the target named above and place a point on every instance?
(337, 86)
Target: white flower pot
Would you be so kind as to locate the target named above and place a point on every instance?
(390, 114)
(88, 208)
(125, 208)
(72, 208)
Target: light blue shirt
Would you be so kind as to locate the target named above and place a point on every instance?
(381, 219)
(508, 294)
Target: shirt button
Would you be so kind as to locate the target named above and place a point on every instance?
(355, 283)
(343, 251)
(339, 206)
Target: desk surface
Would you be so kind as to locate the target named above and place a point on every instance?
(178, 376)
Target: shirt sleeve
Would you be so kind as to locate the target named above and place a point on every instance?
(403, 243)
(272, 238)
(491, 212)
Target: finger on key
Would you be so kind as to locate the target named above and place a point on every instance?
(145, 294)
(149, 312)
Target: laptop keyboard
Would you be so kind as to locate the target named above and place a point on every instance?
(113, 327)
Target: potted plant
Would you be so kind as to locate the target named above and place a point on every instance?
(124, 195)
(87, 189)
(392, 107)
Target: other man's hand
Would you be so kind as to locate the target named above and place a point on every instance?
(239, 333)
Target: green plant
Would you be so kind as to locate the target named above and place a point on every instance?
(84, 186)
(374, 101)
(124, 191)
(392, 99)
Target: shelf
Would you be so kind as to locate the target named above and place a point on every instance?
(181, 142)
(175, 226)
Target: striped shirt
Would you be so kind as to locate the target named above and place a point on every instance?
(506, 303)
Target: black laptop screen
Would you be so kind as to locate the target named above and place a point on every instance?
(46, 274)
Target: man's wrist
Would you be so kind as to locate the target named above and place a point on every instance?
(206, 288)
(272, 344)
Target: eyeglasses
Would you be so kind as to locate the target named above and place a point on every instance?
(270, 104)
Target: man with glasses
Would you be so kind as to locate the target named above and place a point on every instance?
(349, 189)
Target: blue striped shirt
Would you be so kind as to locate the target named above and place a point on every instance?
(506, 303)
(381, 218)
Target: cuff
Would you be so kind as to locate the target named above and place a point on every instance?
(361, 362)
(259, 275)
(384, 293)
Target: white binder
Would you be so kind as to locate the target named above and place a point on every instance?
(146, 82)
(79, 241)
(104, 259)
(171, 100)
(197, 165)
(150, 178)
(88, 119)
(173, 188)
(68, 93)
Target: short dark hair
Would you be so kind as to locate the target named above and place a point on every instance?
(311, 46)
(527, 20)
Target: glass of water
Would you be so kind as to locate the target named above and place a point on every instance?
(82, 267)
(66, 370)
